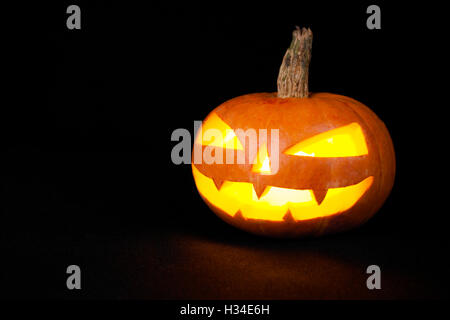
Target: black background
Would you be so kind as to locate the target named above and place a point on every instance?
(87, 177)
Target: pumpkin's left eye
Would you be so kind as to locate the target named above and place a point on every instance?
(216, 133)
(346, 141)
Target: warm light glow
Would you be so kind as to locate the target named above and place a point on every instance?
(262, 164)
(226, 137)
(347, 141)
(275, 202)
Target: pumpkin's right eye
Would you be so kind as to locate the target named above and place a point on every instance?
(346, 141)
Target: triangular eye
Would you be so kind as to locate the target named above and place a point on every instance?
(215, 132)
(346, 141)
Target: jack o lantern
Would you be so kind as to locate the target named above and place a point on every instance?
(336, 162)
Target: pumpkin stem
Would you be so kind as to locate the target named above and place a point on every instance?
(293, 76)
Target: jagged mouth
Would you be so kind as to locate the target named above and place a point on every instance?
(275, 203)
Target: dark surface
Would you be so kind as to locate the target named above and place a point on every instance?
(87, 177)
(221, 264)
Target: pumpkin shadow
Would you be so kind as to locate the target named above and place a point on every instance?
(228, 263)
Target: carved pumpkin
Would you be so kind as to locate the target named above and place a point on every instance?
(336, 161)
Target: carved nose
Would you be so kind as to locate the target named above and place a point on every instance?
(261, 163)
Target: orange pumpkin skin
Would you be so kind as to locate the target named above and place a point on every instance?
(298, 119)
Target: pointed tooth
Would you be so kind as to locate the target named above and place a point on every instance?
(288, 217)
(218, 182)
(238, 215)
(319, 194)
(259, 189)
